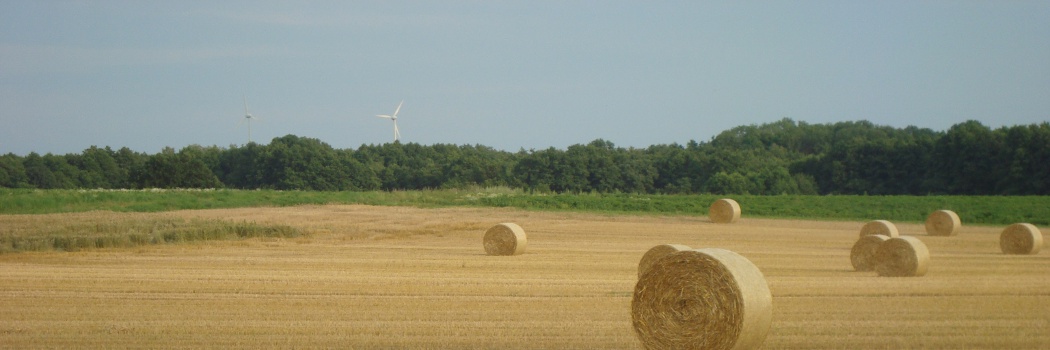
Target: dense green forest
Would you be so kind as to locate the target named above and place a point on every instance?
(784, 157)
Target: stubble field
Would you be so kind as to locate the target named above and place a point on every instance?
(399, 277)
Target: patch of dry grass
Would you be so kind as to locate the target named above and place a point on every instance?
(381, 277)
(103, 229)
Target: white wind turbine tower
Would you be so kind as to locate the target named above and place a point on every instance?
(248, 117)
(393, 117)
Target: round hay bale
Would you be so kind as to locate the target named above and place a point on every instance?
(702, 299)
(505, 239)
(902, 257)
(1021, 238)
(862, 256)
(879, 227)
(657, 252)
(724, 211)
(943, 223)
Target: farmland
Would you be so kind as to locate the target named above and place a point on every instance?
(363, 276)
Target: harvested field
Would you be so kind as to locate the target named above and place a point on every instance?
(397, 277)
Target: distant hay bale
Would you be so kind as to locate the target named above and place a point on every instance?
(505, 239)
(702, 299)
(724, 211)
(879, 227)
(862, 256)
(904, 256)
(1021, 238)
(943, 223)
(657, 252)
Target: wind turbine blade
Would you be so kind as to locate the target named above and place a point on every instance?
(398, 108)
(383, 116)
(245, 105)
(397, 134)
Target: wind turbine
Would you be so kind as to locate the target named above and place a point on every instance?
(248, 117)
(393, 117)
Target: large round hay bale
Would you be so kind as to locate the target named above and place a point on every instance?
(657, 252)
(904, 256)
(862, 256)
(1021, 238)
(943, 223)
(724, 211)
(702, 299)
(879, 227)
(505, 239)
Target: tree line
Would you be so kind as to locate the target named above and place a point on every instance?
(783, 157)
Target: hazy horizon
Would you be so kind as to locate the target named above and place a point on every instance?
(508, 75)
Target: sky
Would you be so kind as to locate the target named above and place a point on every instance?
(510, 75)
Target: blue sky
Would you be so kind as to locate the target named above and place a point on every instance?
(505, 74)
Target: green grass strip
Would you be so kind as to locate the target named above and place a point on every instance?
(985, 210)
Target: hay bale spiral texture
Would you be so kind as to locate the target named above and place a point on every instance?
(879, 227)
(657, 252)
(702, 299)
(902, 257)
(1022, 238)
(505, 239)
(943, 223)
(724, 211)
(862, 256)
